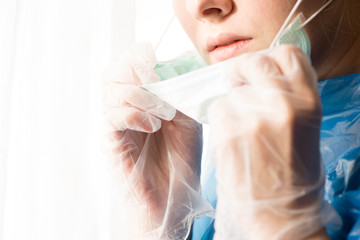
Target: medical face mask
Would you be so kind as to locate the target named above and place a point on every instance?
(296, 35)
(192, 93)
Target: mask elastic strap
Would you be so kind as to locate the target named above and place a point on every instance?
(164, 32)
(296, 6)
(316, 13)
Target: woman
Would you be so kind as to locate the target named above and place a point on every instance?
(266, 133)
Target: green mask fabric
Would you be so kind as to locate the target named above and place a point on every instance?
(296, 35)
(187, 62)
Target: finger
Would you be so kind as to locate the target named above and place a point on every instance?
(219, 118)
(226, 113)
(124, 118)
(225, 124)
(127, 94)
(146, 73)
(301, 77)
(260, 71)
(297, 68)
(245, 100)
(136, 66)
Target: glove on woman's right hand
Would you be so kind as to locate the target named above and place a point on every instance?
(155, 153)
(266, 149)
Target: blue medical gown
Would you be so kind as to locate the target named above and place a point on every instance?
(340, 149)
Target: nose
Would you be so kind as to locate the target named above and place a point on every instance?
(210, 10)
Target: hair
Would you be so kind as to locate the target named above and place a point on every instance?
(345, 20)
(340, 21)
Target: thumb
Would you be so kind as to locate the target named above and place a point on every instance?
(134, 67)
(145, 73)
(143, 61)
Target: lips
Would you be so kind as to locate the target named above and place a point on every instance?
(228, 43)
(226, 46)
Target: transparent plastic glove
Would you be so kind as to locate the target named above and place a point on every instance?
(155, 153)
(265, 145)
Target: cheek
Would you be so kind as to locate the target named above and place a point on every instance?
(267, 16)
(270, 9)
(269, 13)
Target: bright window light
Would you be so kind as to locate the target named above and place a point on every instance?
(152, 18)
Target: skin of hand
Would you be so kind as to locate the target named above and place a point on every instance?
(266, 146)
(147, 139)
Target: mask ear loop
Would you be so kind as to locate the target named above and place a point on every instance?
(296, 6)
(316, 13)
(164, 32)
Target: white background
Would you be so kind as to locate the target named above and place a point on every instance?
(54, 181)
(152, 18)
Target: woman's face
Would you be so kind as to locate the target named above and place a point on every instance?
(221, 29)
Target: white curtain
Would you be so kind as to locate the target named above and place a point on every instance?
(54, 181)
